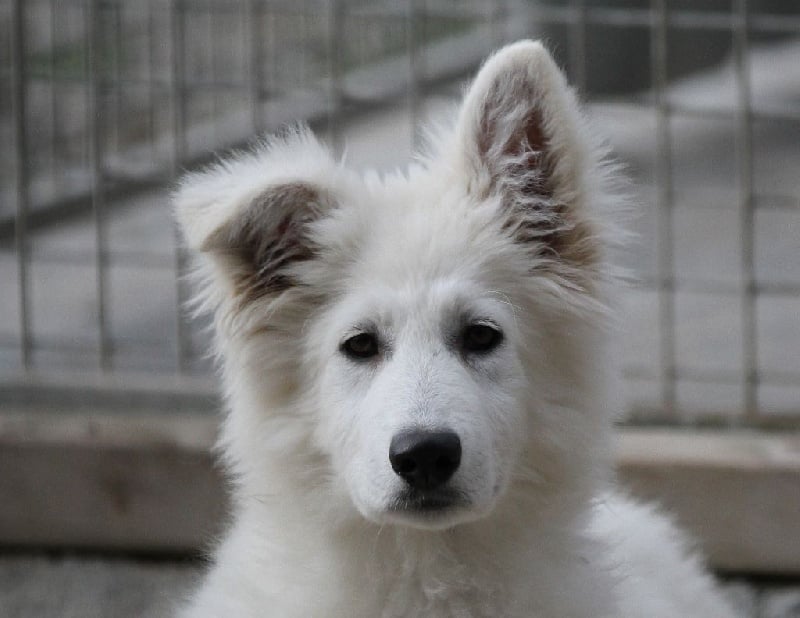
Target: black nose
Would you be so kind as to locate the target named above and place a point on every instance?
(425, 459)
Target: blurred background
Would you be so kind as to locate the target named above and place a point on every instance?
(103, 103)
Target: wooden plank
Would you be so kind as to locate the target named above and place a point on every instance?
(144, 483)
(149, 483)
(737, 493)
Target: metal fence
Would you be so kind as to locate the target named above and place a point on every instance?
(103, 103)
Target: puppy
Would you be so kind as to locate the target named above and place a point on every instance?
(418, 376)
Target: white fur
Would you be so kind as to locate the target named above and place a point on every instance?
(478, 231)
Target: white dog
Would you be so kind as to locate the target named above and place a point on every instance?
(418, 376)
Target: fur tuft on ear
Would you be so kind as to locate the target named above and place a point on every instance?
(519, 129)
(251, 213)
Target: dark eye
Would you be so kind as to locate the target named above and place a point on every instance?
(480, 338)
(361, 346)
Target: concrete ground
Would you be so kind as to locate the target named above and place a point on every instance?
(70, 587)
(73, 587)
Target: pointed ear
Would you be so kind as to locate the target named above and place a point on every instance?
(519, 130)
(251, 214)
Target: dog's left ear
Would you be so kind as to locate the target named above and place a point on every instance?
(519, 131)
(252, 214)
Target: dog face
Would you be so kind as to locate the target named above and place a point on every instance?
(430, 343)
(420, 380)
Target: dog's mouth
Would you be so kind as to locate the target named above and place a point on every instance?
(427, 505)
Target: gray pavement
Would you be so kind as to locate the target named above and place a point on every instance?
(72, 587)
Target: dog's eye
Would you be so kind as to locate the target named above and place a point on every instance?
(480, 338)
(361, 346)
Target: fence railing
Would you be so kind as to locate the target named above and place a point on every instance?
(103, 103)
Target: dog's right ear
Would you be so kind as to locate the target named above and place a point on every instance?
(520, 136)
(251, 214)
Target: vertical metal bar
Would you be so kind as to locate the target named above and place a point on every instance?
(118, 81)
(213, 51)
(95, 122)
(497, 23)
(179, 147)
(335, 60)
(664, 206)
(414, 68)
(254, 17)
(151, 80)
(577, 45)
(178, 81)
(744, 154)
(269, 72)
(306, 32)
(22, 179)
(54, 88)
